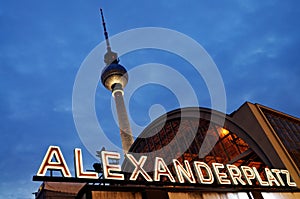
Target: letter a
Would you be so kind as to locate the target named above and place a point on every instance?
(59, 163)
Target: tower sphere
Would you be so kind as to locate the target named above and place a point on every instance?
(113, 74)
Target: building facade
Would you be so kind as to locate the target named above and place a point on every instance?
(273, 128)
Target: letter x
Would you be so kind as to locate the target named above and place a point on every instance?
(138, 168)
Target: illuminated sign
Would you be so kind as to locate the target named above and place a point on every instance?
(195, 172)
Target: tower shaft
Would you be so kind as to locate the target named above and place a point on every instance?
(125, 130)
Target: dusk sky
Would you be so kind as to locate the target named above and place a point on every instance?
(254, 44)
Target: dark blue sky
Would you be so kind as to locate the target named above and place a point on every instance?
(255, 45)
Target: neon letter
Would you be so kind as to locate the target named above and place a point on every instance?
(188, 174)
(260, 181)
(108, 168)
(248, 174)
(235, 174)
(80, 173)
(221, 177)
(271, 178)
(59, 163)
(138, 168)
(288, 178)
(277, 172)
(197, 166)
(161, 169)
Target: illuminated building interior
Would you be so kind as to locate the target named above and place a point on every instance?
(187, 134)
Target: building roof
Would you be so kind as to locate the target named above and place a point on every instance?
(63, 187)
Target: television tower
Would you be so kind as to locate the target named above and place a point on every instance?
(114, 77)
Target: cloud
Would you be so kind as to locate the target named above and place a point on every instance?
(62, 106)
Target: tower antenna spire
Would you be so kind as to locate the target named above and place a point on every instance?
(105, 31)
(110, 57)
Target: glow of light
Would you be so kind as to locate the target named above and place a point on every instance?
(224, 131)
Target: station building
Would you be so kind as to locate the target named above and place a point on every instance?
(253, 136)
